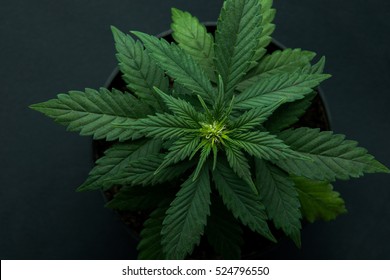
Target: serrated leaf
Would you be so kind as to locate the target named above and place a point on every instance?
(240, 200)
(254, 117)
(143, 172)
(223, 231)
(140, 72)
(318, 200)
(95, 112)
(332, 157)
(178, 64)
(280, 199)
(269, 90)
(179, 150)
(181, 108)
(239, 163)
(115, 160)
(288, 114)
(263, 145)
(193, 38)
(149, 247)
(137, 198)
(268, 15)
(238, 25)
(187, 216)
(279, 62)
(165, 126)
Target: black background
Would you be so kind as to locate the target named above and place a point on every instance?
(48, 47)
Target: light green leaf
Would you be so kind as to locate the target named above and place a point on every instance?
(318, 200)
(178, 64)
(332, 157)
(240, 200)
(193, 38)
(115, 160)
(280, 199)
(238, 26)
(95, 112)
(140, 72)
(290, 86)
(187, 216)
(279, 62)
(223, 231)
(149, 247)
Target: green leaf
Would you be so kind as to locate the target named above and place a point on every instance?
(143, 172)
(180, 149)
(149, 247)
(332, 157)
(254, 117)
(239, 163)
(318, 200)
(163, 126)
(240, 200)
(178, 64)
(279, 62)
(290, 86)
(137, 198)
(193, 38)
(115, 160)
(95, 112)
(181, 108)
(187, 216)
(238, 25)
(206, 150)
(288, 114)
(263, 145)
(140, 72)
(268, 27)
(223, 231)
(280, 199)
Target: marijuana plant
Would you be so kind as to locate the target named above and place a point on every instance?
(202, 140)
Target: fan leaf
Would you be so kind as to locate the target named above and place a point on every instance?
(290, 86)
(193, 38)
(95, 112)
(280, 199)
(140, 72)
(187, 216)
(238, 25)
(178, 64)
(332, 157)
(115, 160)
(240, 200)
(318, 199)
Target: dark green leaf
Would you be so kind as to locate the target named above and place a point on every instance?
(240, 200)
(140, 72)
(187, 216)
(280, 199)
(95, 113)
(238, 26)
(331, 156)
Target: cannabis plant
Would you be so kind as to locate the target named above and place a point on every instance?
(202, 140)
